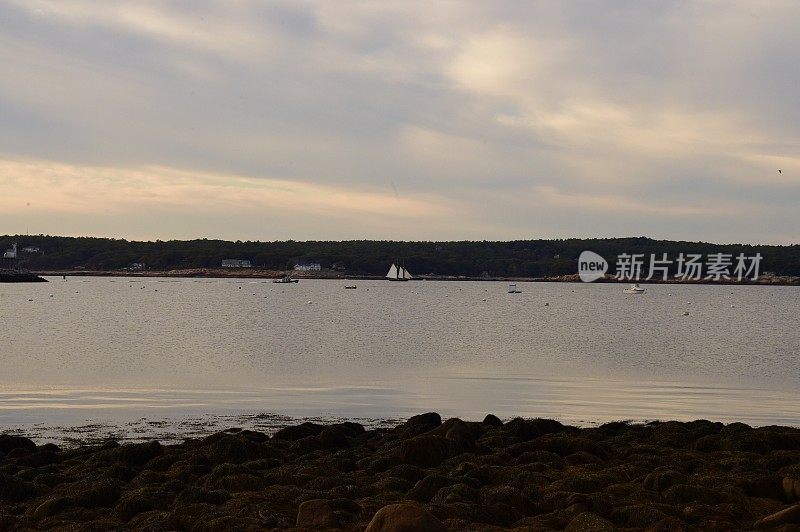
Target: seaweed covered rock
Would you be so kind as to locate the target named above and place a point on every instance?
(404, 518)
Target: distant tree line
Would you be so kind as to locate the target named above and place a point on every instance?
(524, 258)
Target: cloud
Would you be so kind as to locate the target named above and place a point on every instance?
(668, 119)
(33, 188)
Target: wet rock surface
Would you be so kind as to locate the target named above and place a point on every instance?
(425, 474)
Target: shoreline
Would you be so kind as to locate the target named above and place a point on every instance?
(256, 273)
(526, 474)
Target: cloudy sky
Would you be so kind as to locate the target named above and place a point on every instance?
(400, 120)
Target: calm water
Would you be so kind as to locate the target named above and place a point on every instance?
(143, 355)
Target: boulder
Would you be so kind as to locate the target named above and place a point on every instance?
(787, 516)
(589, 522)
(428, 450)
(9, 442)
(404, 518)
(52, 506)
(94, 492)
(791, 488)
(304, 430)
(430, 418)
(661, 480)
(527, 429)
(317, 513)
(142, 500)
(492, 421)
(133, 454)
(15, 489)
(417, 425)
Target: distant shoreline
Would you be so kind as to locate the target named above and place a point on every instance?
(257, 273)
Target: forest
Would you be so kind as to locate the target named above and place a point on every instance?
(523, 258)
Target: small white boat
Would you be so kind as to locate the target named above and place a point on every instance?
(512, 288)
(634, 289)
(350, 287)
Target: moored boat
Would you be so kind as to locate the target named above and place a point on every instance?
(634, 289)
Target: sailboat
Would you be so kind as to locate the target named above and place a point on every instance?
(398, 273)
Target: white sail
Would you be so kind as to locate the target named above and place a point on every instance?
(405, 274)
(393, 272)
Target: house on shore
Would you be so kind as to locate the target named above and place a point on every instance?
(236, 263)
(308, 267)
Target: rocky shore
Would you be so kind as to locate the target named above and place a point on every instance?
(20, 277)
(424, 474)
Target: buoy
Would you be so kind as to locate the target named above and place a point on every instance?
(547, 304)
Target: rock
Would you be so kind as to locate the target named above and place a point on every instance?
(15, 489)
(791, 488)
(192, 495)
(460, 432)
(38, 459)
(766, 485)
(661, 480)
(455, 494)
(95, 492)
(492, 421)
(404, 518)
(155, 520)
(133, 454)
(491, 495)
(52, 506)
(428, 450)
(685, 493)
(317, 513)
(589, 522)
(425, 489)
(297, 432)
(141, 500)
(527, 429)
(639, 516)
(431, 418)
(787, 516)
(238, 448)
(406, 472)
(707, 444)
(10, 442)
(335, 436)
(234, 478)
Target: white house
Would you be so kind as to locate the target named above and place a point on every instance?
(11, 253)
(236, 263)
(308, 267)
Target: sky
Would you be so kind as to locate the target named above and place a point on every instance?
(462, 120)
